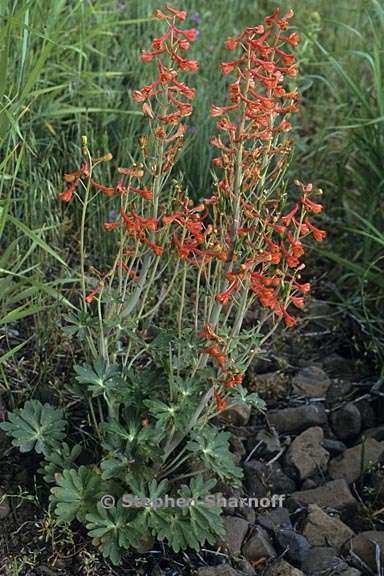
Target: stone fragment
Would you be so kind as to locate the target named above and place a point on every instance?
(306, 455)
(356, 460)
(335, 494)
(221, 570)
(338, 391)
(237, 414)
(259, 546)
(334, 447)
(346, 422)
(282, 568)
(275, 519)
(322, 560)
(298, 419)
(235, 532)
(312, 382)
(320, 529)
(269, 443)
(369, 547)
(294, 545)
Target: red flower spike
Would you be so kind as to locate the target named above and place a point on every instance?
(66, 196)
(221, 404)
(91, 296)
(318, 234)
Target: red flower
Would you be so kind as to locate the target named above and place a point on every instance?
(224, 297)
(66, 196)
(311, 206)
(318, 235)
(209, 333)
(91, 296)
(215, 352)
(221, 404)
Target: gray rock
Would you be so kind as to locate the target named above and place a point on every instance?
(338, 367)
(356, 460)
(262, 479)
(306, 455)
(298, 419)
(295, 545)
(338, 391)
(282, 568)
(275, 519)
(257, 478)
(377, 433)
(334, 447)
(322, 560)
(350, 572)
(335, 494)
(309, 483)
(235, 532)
(346, 422)
(4, 506)
(245, 567)
(222, 570)
(270, 386)
(367, 413)
(280, 482)
(270, 442)
(312, 382)
(237, 414)
(320, 529)
(259, 546)
(368, 546)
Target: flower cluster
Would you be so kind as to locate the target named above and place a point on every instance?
(244, 241)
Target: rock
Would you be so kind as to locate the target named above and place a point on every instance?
(346, 422)
(294, 545)
(259, 546)
(274, 520)
(4, 506)
(367, 414)
(262, 479)
(235, 532)
(312, 382)
(221, 570)
(338, 391)
(338, 367)
(270, 386)
(335, 494)
(368, 546)
(309, 483)
(270, 442)
(320, 529)
(356, 460)
(280, 482)
(334, 447)
(306, 455)
(322, 560)
(350, 572)
(257, 476)
(282, 568)
(237, 445)
(297, 419)
(237, 414)
(245, 567)
(377, 433)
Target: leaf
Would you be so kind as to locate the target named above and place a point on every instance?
(64, 457)
(211, 447)
(99, 378)
(77, 493)
(114, 530)
(35, 426)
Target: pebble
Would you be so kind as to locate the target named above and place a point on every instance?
(306, 455)
(237, 414)
(235, 532)
(320, 529)
(335, 494)
(275, 519)
(322, 560)
(369, 547)
(356, 460)
(295, 546)
(346, 422)
(298, 419)
(311, 382)
(282, 568)
(259, 546)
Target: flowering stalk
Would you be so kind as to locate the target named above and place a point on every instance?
(240, 247)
